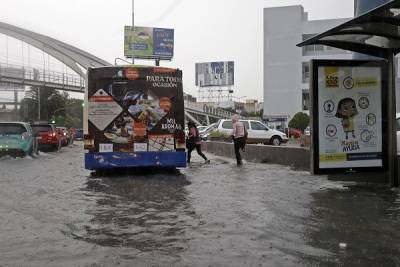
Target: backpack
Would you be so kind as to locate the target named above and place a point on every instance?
(246, 133)
(191, 141)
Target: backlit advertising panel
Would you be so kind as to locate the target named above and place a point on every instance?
(215, 73)
(348, 109)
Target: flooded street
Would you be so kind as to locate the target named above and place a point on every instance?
(54, 213)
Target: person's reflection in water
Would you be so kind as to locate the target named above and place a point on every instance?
(148, 213)
(365, 219)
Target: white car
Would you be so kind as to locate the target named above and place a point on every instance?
(206, 132)
(258, 132)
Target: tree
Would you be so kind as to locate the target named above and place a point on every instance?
(50, 100)
(299, 121)
(54, 106)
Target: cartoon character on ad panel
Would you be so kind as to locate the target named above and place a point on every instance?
(346, 111)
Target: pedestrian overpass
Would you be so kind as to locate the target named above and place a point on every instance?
(24, 75)
(78, 61)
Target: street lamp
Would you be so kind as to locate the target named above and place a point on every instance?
(63, 108)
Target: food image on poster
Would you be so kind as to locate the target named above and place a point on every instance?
(161, 142)
(349, 116)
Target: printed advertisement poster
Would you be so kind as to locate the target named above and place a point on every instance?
(350, 117)
(147, 42)
(163, 42)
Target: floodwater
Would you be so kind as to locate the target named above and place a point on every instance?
(55, 213)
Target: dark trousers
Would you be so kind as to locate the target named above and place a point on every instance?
(239, 143)
(198, 149)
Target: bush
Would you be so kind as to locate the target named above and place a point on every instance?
(218, 134)
(299, 121)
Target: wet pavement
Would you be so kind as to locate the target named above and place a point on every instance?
(55, 213)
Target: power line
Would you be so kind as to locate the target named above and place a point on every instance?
(166, 13)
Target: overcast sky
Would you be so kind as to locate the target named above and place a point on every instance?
(207, 30)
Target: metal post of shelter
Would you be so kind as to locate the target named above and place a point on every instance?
(133, 27)
(392, 141)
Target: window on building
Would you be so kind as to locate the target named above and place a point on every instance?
(306, 99)
(307, 36)
(306, 72)
(316, 49)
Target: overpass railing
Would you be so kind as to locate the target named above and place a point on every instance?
(209, 110)
(24, 73)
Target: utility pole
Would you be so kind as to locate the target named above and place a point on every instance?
(39, 102)
(133, 27)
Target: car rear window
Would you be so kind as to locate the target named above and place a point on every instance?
(41, 128)
(227, 125)
(11, 128)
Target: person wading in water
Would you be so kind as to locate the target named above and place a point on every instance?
(194, 142)
(239, 135)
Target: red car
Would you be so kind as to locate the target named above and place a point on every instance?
(65, 136)
(296, 133)
(47, 136)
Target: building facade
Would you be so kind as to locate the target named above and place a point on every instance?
(251, 105)
(286, 66)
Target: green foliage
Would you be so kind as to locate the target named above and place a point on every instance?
(299, 121)
(218, 134)
(54, 105)
(252, 114)
(73, 122)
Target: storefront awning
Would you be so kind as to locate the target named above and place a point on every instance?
(375, 33)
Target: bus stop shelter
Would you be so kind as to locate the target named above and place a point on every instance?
(375, 33)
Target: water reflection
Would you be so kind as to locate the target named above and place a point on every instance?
(147, 213)
(365, 218)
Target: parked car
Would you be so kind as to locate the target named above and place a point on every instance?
(65, 136)
(79, 134)
(293, 132)
(201, 128)
(206, 132)
(17, 139)
(48, 136)
(258, 132)
(72, 133)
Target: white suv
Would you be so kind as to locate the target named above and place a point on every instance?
(258, 132)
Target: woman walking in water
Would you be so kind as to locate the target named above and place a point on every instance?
(193, 142)
(239, 135)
